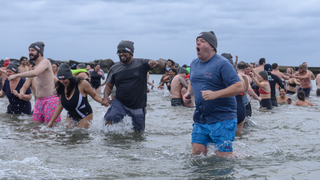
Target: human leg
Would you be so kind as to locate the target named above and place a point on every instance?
(222, 135)
(50, 104)
(115, 113)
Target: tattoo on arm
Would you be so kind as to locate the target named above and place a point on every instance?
(184, 83)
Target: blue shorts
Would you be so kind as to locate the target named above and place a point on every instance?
(221, 134)
(117, 111)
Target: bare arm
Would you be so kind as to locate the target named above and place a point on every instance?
(25, 97)
(296, 82)
(236, 61)
(156, 64)
(187, 96)
(57, 112)
(183, 82)
(38, 70)
(106, 93)
(88, 89)
(24, 88)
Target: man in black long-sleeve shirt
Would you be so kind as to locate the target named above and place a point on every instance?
(273, 80)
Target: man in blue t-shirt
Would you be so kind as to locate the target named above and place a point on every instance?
(130, 78)
(214, 82)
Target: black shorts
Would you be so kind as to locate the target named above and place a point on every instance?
(318, 92)
(266, 103)
(248, 110)
(176, 102)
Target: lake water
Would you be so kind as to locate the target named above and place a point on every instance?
(279, 144)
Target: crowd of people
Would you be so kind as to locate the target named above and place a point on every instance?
(219, 89)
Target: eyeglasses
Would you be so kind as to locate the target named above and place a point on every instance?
(122, 52)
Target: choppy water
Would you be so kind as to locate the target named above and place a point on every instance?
(279, 144)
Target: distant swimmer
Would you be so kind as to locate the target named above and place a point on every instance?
(130, 78)
(179, 87)
(305, 79)
(24, 65)
(96, 74)
(318, 84)
(282, 77)
(301, 100)
(44, 84)
(273, 80)
(73, 96)
(283, 99)
(55, 67)
(264, 88)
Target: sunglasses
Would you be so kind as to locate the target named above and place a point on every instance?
(122, 52)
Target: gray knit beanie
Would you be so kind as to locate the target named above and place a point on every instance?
(264, 74)
(182, 70)
(127, 46)
(13, 65)
(81, 66)
(211, 38)
(64, 71)
(39, 46)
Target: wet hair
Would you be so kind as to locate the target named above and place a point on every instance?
(241, 65)
(57, 64)
(173, 70)
(172, 62)
(274, 66)
(301, 96)
(74, 81)
(283, 89)
(22, 58)
(261, 61)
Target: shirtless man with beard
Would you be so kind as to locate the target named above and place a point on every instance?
(179, 87)
(47, 102)
(305, 79)
(23, 65)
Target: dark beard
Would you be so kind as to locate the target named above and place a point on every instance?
(34, 57)
(125, 61)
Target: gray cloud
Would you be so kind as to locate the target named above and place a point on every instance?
(285, 32)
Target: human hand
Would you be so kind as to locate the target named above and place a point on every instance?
(50, 124)
(105, 102)
(13, 76)
(15, 92)
(21, 95)
(209, 95)
(187, 98)
(152, 63)
(236, 57)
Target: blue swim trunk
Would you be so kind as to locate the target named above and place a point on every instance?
(117, 111)
(221, 134)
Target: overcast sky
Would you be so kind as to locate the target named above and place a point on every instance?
(282, 31)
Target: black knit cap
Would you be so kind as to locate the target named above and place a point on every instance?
(13, 65)
(39, 46)
(64, 71)
(211, 38)
(228, 56)
(127, 46)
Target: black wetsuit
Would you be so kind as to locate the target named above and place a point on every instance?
(273, 80)
(77, 106)
(241, 110)
(95, 79)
